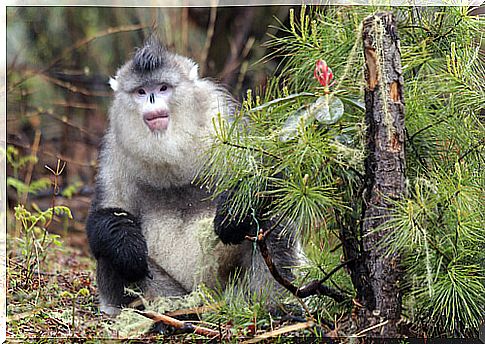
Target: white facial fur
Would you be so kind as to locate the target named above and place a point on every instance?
(153, 104)
(167, 153)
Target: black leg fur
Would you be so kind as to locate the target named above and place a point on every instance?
(116, 239)
(111, 286)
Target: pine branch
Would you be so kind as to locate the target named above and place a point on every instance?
(411, 138)
(252, 149)
(472, 149)
(415, 149)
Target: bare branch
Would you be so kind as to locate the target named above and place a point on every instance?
(178, 324)
(77, 45)
(313, 288)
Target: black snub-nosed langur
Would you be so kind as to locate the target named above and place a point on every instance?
(144, 223)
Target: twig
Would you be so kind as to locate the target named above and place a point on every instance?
(75, 89)
(312, 288)
(429, 126)
(185, 28)
(194, 310)
(55, 188)
(415, 149)
(79, 44)
(332, 281)
(64, 120)
(77, 105)
(280, 331)
(208, 39)
(55, 155)
(370, 328)
(335, 269)
(253, 149)
(178, 324)
(242, 24)
(339, 245)
(471, 149)
(277, 223)
(28, 176)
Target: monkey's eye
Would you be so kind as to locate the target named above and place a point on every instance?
(163, 88)
(141, 92)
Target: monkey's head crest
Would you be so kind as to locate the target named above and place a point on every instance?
(153, 63)
(150, 56)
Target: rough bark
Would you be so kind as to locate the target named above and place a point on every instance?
(385, 167)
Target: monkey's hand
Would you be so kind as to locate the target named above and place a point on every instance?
(116, 235)
(230, 229)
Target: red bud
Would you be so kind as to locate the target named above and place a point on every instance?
(323, 73)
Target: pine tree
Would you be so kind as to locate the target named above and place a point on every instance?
(301, 144)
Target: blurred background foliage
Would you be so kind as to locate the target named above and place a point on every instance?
(59, 60)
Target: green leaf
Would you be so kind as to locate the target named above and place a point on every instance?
(69, 191)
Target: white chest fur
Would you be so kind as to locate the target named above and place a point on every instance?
(176, 243)
(178, 226)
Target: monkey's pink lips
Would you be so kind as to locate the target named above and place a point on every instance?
(156, 120)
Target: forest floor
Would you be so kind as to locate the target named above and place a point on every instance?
(56, 298)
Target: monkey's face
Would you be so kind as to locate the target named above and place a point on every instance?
(162, 112)
(155, 89)
(153, 102)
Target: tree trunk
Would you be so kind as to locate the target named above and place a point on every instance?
(385, 165)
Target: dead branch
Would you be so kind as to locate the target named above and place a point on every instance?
(30, 170)
(280, 331)
(242, 26)
(178, 324)
(312, 288)
(78, 44)
(64, 119)
(77, 105)
(194, 310)
(208, 39)
(72, 88)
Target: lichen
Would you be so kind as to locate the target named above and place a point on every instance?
(129, 324)
(379, 29)
(207, 240)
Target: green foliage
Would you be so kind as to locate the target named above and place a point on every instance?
(33, 187)
(439, 226)
(70, 190)
(46, 296)
(35, 239)
(323, 258)
(16, 160)
(305, 173)
(19, 162)
(318, 172)
(236, 306)
(439, 229)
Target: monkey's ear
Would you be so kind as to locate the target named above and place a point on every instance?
(113, 83)
(194, 72)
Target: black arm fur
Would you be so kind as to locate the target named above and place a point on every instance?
(230, 229)
(115, 235)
